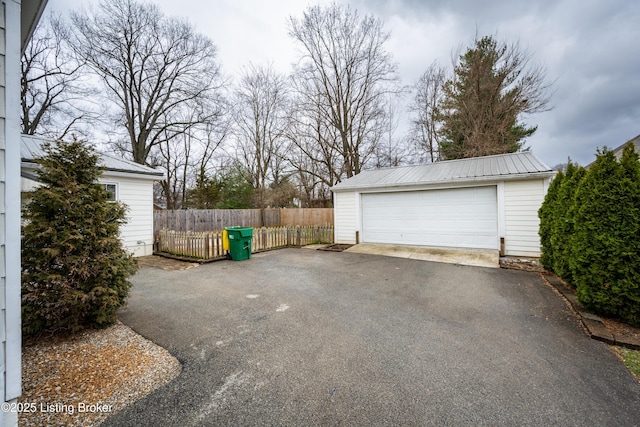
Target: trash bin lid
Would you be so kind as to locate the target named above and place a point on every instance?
(239, 231)
(246, 232)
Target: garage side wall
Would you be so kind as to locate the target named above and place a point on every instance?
(522, 199)
(137, 194)
(345, 205)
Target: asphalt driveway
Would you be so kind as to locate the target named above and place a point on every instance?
(302, 337)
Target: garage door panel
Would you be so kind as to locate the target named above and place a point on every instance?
(462, 217)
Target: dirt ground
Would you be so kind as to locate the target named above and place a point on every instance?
(167, 264)
(620, 329)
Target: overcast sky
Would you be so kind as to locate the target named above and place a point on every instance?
(590, 48)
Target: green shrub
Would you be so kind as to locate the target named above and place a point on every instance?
(547, 218)
(74, 269)
(604, 258)
(562, 228)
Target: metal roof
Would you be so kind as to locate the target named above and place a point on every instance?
(498, 167)
(31, 149)
(635, 141)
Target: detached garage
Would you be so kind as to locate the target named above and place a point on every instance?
(127, 182)
(485, 202)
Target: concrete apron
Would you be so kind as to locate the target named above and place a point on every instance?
(464, 256)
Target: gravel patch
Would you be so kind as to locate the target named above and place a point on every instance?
(82, 379)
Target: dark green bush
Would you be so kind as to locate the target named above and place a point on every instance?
(605, 247)
(547, 218)
(74, 269)
(562, 227)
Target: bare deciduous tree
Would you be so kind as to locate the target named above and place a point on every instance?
(313, 153)
(186, 160)
(51, 89)
(199, 192)
(261, 119)
(344, 77)
(153, 67)
(391, 151)
(173, 156)
(493, 85)
(425, 127)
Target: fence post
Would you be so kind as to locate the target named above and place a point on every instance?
(298, 243)
(207, 247)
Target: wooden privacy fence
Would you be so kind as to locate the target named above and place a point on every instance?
(218, 219)
(306, 216)
(207, 245)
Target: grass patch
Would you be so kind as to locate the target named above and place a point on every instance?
(631, 359)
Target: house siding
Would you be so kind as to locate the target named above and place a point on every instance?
(522, 199)
(137, 194)
(10, 331)
(345, 217)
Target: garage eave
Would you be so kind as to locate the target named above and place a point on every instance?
(445, 183)
(501, 167)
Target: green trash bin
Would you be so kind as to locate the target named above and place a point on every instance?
(239, 242)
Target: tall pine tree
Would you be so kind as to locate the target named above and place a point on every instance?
(74, 269)
(492, 85)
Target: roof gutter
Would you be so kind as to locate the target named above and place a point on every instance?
(157, 175)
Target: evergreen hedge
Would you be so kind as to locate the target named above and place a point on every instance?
(546, 213)
(590, 233)
(563, 225)
(74, 269)
(605, 246)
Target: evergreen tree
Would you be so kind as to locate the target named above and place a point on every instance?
(547, 218)
(492, 86)
(562, 228)
(604, 260)
(74, 269)
(205, 195)
(237, 192)
(231, 190)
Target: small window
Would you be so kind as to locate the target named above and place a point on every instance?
(112, 190)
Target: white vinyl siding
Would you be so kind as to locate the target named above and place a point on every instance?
(3, 237)
(455, 217)
(522, 199)
(345, 205)
(10, 331)
(137, 194)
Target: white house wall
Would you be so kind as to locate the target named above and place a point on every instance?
(345, 205)
(10, 331)
(137, 194)
(522, 199)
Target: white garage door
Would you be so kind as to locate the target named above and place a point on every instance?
(460, 217)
